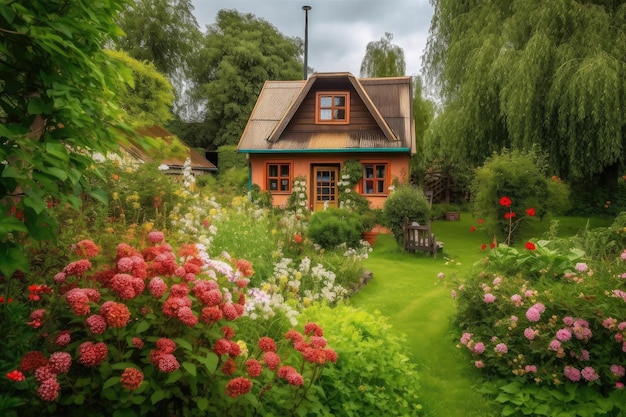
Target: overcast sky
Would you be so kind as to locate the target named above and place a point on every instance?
(339, 30)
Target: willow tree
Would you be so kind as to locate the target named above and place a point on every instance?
(518, 73)
(383, 59)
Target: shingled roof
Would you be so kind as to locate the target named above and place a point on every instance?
(388, 100)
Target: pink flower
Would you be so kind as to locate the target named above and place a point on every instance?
(531, 369)
(166, 345)
(479, 347)
(271, 359)
(167, 363)
(157, 287)
(86, 248)
(618, 370)
(63, 338)
(465, 338)
(238, 386)
(453, 294)
(571, 373)
(554, 345)
(529, 333)
(489, 298)
(589, 374)
(619, 385)
(501, 348)
(185, 314)
(78, 301)
(568, 321)
(517, 300)
(532, 314)
(137, 343)
(441, 275)
(563, 335)
(96, 324)
(131, 378)
(156, 236)
(581, 267)
(77, 268)
(60, 362)
(92, 354)
(49, 390)
(479, 364)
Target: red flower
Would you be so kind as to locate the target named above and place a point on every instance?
(509, 215)
(530, 211)
(472, 229)
(254, 367)
(267, 344)
(131, 378)
(297, 238)
(505, 201)
(483, 246)
(15, 376)
(238, 386)
(530, 246)
(492, 245)
(481, 221)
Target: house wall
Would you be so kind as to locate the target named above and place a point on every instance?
(303, 163)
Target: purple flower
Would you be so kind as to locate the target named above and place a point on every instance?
(501, 348)
(532, 314)
(489, 298)
(564, 335)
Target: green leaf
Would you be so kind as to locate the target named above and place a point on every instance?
(110, 382)
(142, 326)
(174, 377)
(211, 361)
(54, 172)
(183, 343)
(10, 224)
(36, 204)
(58, 151)
(202, 403)
(190, 367)
(10, 172)
(99, 195)
(157, 396)
(123, 365)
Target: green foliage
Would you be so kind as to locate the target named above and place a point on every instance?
(148, 100)
(58, 106)
(604, 242)
(383, 59)
(230, 158)
(406, 202)
(297, 201)
(515, 175)
(373, 376)
(333, 226)
(162, 32)
(542, 73)
(237, 55)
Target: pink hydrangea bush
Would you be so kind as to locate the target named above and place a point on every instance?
(157, 325)
(554, 331)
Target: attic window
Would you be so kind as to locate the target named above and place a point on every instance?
(332, 107)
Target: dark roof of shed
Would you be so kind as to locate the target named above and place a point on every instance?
(389, 101)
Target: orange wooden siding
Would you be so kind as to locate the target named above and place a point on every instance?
(302, 165)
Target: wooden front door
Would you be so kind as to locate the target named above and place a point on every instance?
(325, 187)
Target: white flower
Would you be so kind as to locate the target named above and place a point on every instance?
(163, 167)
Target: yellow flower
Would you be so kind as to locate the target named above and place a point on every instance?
(274, 231)
(306, 301)
(148, 226)
(129, 170)
(116, 196)
(136, 205)
(283, 280)
(243, 347)
(298, 275)
(213, 212)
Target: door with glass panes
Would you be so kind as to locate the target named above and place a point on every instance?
(325, 187)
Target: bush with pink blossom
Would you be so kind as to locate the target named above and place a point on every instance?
(542, 331)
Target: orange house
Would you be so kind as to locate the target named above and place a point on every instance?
(309, 128)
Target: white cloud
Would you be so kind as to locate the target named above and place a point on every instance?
(339, 30)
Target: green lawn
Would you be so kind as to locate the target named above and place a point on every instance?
(405, 288)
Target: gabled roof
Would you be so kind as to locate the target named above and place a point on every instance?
(198, 162)
(388, 100)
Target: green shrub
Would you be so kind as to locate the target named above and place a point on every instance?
(230, 158)
(333, 226)
(515, 175)
(405, 203)
(372, 376)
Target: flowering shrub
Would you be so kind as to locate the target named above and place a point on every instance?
(298, 201)
(155, 333)
(550, 320)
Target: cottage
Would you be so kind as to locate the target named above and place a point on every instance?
(310, 127)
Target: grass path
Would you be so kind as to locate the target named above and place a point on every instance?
(405, 288)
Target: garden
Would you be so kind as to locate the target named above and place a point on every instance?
(179, 298)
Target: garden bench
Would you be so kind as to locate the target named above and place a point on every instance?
(420, 238)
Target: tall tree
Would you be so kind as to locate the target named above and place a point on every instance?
(523, 72)
(383, 59)
(56, 107)
(239, 53)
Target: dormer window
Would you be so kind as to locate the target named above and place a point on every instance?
(332, 107)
